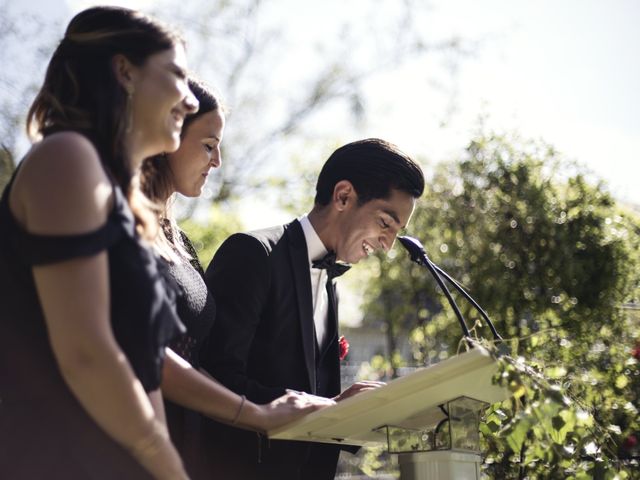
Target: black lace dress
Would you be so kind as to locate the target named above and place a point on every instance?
(44, 431)
(197, 311)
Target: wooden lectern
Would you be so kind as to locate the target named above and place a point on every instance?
(402, 414)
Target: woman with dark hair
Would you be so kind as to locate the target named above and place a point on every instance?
(185, 171)
(86, 311)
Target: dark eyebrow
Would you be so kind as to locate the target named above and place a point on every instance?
(393, 215)
(178, 69)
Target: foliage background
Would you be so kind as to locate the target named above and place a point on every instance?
(553, 259)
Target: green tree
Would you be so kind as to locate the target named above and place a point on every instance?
(552, 258)
(535, 242)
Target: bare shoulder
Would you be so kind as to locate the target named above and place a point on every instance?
(61, 188)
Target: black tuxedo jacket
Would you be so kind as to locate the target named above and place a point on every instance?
(263, 342)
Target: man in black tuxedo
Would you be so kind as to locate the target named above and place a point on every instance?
(276, 326)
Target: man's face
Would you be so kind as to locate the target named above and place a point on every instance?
(364, 229)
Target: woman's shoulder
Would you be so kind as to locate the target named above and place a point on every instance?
(62, 187)
(63, 149)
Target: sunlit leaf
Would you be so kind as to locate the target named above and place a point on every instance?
(556, 372)
(622, 381)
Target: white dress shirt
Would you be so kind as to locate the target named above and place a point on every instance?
(320, 299)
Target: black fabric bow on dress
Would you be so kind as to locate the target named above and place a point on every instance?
(328, 262)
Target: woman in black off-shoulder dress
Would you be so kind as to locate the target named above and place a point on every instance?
(86, 310)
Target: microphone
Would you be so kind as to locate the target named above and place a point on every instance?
(419, 256)
(414, 247)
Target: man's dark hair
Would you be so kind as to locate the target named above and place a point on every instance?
(374, 167)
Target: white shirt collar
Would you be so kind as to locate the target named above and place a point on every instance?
(315, 247)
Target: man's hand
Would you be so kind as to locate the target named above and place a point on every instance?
(358, 387)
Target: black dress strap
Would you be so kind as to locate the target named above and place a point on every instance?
(45, 249)
(35, 249)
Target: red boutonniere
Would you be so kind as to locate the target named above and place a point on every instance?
(344, 347)
(630, 442)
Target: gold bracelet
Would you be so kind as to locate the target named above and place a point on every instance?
(235, 419)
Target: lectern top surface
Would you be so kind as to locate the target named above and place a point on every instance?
(355, 420)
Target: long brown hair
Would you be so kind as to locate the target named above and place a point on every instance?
(156, 178)
(81, 92)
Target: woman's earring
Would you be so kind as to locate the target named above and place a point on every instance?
(129, 110)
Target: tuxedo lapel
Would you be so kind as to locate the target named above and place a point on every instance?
(302, 283)
(332, 324)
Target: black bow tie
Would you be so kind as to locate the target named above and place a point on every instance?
(328, 263)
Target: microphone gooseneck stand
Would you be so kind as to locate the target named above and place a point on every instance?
(443, 464)
(466, 295)
(419, 256)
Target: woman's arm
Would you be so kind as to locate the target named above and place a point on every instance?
(186, 386)
(62, 190)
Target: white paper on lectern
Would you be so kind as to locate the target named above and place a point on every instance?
(354, 420)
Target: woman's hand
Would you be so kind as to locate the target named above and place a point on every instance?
(285, 409)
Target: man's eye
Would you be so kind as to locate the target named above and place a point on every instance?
(207, 147)
(384, 224)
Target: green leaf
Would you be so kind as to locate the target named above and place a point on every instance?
(518, 434)
(556, 372)
(558, 422)
(622, 381)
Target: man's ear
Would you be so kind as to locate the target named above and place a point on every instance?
(124, 71)
(344, 195)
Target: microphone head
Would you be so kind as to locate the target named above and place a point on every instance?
(414, 247)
